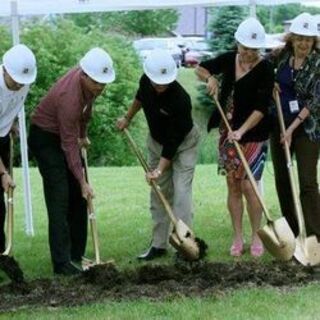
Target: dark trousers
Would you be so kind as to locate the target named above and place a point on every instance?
(307, 155)
(67, 209)
(4, 155)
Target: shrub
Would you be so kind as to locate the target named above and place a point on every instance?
(58, 47)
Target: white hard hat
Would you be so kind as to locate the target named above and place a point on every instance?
(98, 65)
(305, 25)
(251, 34)
(160, 67)
(20, 63)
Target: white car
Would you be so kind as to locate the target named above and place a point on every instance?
(144, 46)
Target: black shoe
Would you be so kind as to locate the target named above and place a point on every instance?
(66, 269)
(152, 253)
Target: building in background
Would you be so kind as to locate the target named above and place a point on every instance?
(192, 21)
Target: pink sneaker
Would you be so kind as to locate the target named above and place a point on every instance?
(256, 250)
(236, 249)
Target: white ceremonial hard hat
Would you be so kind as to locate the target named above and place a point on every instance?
(160, 67)
(251, 34)
(98, 65)
(20, 63)
(305, 25)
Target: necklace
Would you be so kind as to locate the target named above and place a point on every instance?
(246, 66)
(295, 67)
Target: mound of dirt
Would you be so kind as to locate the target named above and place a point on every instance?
(152, 281)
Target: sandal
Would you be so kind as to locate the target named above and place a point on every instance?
(256, 250)
(236, 249)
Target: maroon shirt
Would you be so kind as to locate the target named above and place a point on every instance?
(65, 111)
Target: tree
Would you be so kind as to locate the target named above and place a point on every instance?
(223, 24)
(146, 22)
(58, 47)
(273, 17)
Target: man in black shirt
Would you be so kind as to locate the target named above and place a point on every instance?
(172, 144)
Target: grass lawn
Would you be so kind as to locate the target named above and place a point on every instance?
(124, 227)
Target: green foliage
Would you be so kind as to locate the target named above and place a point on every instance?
(273, 17)
(58, 48)
(223, 24)
(146, 22)
(5, 41)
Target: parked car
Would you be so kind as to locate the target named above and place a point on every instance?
(195, 51)
(144, 46)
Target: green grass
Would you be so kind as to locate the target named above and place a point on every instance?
(124, 227)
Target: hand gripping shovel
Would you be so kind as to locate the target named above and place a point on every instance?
(92, 217)
(307, 248)
(7, 263)
(182, 238)
(276, 236)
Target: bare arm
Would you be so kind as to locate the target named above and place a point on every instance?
(5, 179)
(250, 123)
(124, 121)
(303, 114)
(212, 83)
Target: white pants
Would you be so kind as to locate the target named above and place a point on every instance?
(175, 184)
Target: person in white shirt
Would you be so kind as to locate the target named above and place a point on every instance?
(17, 73)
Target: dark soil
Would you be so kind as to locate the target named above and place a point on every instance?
(155, 282)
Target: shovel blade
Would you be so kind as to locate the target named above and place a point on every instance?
(183, 240)
(307, 251)
(278, 239)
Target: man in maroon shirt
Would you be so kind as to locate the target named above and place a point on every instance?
(57, 132)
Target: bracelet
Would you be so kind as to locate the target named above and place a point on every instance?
(127, 117)
(158, 171)
(300, 118)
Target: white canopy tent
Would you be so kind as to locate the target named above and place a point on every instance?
(16, 8)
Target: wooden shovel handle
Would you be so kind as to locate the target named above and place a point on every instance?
(146, 168)
(91, 213)
(295, 195)
(244, 162)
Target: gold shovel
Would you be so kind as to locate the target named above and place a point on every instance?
(307, 248)
(182, 238)
(87, 263)
(276, 236)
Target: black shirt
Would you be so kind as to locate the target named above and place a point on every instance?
(251, 92)
(168, 114)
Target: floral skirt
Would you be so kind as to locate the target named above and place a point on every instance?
(229, 162)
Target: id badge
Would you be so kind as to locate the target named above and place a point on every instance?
(294, 106)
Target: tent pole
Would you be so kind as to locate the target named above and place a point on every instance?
(23, 135)
(253, 8)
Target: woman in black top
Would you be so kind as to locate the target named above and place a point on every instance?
(246, 93)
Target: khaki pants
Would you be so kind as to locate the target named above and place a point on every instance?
(176, 185)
